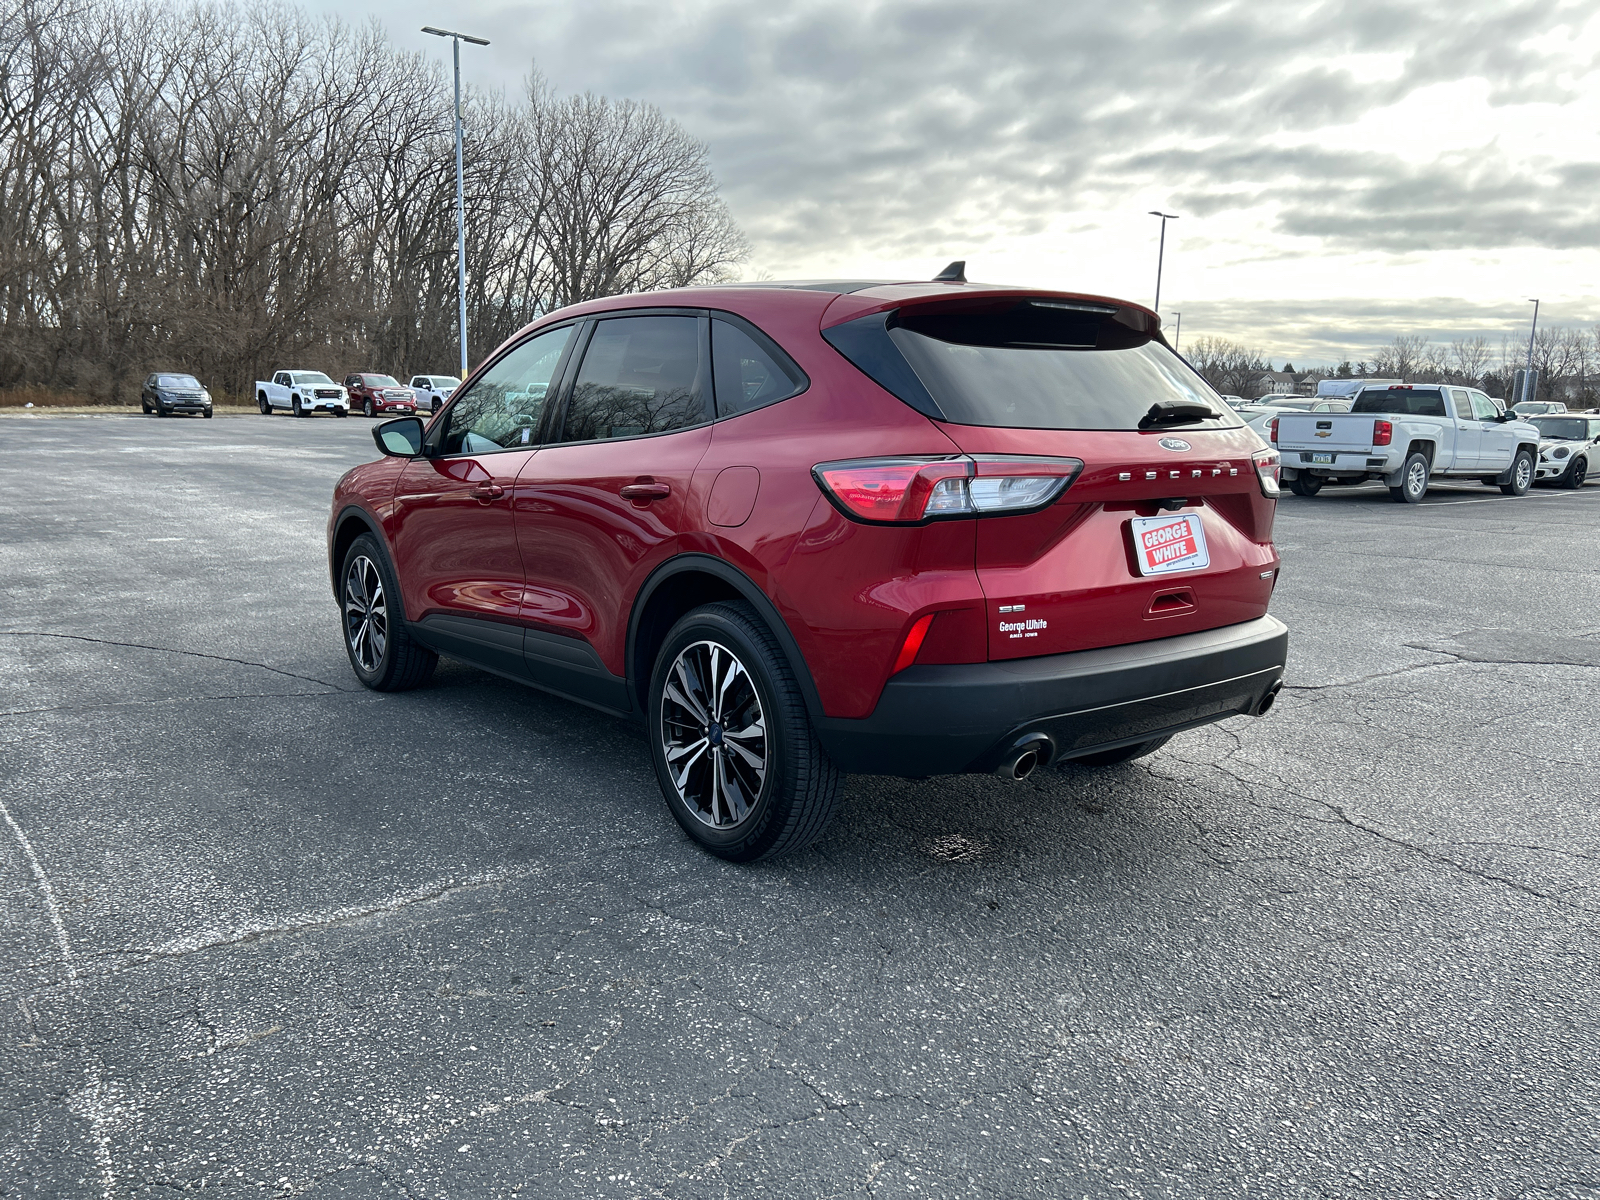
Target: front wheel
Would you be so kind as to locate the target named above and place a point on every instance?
(1413, 481)
(294, 406)
(371, 408)
(377, 637)
(207, 414)
(1521, 475)
(735, 753)
(341, 412)
(1305, 485)
(1577, 473)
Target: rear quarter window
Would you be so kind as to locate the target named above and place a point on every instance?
(1028, 364)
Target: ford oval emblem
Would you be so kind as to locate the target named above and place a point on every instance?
(1177, 444)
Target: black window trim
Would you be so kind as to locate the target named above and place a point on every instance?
(440, 423)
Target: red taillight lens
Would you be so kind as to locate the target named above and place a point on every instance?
(908, 490)
(913, 643)
(1268, 469)
(1272, 431)
(1382, 433)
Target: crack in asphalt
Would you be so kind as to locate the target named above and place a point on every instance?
(243, 662)
(142, 703)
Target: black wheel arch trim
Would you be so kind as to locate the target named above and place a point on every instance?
(695, 562)
(346, 514)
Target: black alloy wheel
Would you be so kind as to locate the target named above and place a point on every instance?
(734, 749)
(1521, 477)
(1577, 473)
(1413, 481)
(377, 638)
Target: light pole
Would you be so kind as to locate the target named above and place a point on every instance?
(1161, 254)
(1531, 331)
(461, 204)
(1177, 330)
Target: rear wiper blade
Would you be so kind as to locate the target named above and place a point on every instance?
(1176, 412)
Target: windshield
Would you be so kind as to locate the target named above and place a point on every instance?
(380, 381)
(1035, 364)
(177, 381)
(1416, 402)
(444, 381)
(1563, 427)
(310, 377)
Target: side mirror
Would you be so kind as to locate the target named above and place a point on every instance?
(399, 438)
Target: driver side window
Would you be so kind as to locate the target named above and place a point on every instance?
(1483, 408)
(502, 409)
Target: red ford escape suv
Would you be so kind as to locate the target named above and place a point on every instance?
(799, 529)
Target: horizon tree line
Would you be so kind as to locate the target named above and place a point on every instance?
(228, 190)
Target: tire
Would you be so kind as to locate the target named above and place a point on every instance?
(371, 409)
(161, 412)
(206, 414)
(341, 412)
(1305, 485)
(1521, 475)
(1413, 481)
(144, 404)
(372, 621)
(784, 788)
(264, 404)
(1122, 754)
(1576, 474)
(294, 406)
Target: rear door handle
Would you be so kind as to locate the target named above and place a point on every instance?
(644, 493)
(488, 491)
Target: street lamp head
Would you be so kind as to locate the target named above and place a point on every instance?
(1165, 216)
(465, 37)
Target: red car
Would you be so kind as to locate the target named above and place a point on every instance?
(804, 529)
(377, 394)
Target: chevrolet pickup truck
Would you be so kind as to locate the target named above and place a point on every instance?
(1406, 434)
(302, 393)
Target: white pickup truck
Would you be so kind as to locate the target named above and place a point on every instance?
(1406, 434)
(302, 393)
(432, 391)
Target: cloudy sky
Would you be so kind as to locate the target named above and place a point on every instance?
(1344, 170)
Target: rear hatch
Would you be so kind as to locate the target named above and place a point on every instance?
(1167, 527)
(1325, 432)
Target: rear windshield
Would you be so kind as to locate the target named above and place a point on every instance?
(1033, 364)
(1416, 402)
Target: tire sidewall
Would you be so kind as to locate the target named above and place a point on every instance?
(1512, 487)
(1414, 494)
(752, 836)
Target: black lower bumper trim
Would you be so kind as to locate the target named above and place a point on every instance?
(940, 720)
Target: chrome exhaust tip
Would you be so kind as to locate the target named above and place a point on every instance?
(1264, 705)
(1027, 753)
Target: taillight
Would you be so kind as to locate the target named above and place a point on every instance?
(1382, 433)
(1268, 468)
(1272, 431)
(912, 490)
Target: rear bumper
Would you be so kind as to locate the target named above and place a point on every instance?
(942, 720)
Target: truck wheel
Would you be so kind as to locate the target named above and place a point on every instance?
(294, 406)
(1577, 473)
(735, 753)
(263, 404)
(1305, 485)
(1521, 475)
(372, 410)
(1413, 481)
(1122, 754)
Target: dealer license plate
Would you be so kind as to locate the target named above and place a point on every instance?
(1166, 544)
(1322, 458)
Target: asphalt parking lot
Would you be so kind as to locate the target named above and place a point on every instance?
(263, 932)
